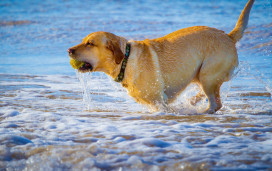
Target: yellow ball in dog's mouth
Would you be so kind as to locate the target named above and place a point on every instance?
(76, 64)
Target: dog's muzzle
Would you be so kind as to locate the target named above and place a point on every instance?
(86, 67)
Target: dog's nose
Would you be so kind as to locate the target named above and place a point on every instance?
(70, 50)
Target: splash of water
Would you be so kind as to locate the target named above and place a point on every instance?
(85, 82)
(255, 99)
(259, 76)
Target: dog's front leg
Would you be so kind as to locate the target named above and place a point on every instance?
(161, 104)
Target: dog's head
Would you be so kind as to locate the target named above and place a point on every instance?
(100, 51)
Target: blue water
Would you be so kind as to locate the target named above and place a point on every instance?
(44, 124)
(49, 28)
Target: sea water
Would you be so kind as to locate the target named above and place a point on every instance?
(54, 119)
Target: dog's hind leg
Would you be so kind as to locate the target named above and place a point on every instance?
(216, 69)
(211, 76)
(212, 91)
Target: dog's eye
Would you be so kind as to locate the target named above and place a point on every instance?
(89, 44)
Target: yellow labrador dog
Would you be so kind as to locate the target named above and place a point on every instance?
(156, 71)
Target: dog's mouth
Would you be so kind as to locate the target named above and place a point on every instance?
(86, 67)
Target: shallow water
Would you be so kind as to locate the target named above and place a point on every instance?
(46, 123)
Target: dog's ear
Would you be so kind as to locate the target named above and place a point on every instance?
(116, 50)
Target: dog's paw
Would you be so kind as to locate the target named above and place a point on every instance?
(209, 111)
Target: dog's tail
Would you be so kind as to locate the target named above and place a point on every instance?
(237, 33)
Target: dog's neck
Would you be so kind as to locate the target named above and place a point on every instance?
(121, 74)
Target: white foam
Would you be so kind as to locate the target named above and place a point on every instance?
(44, 123)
